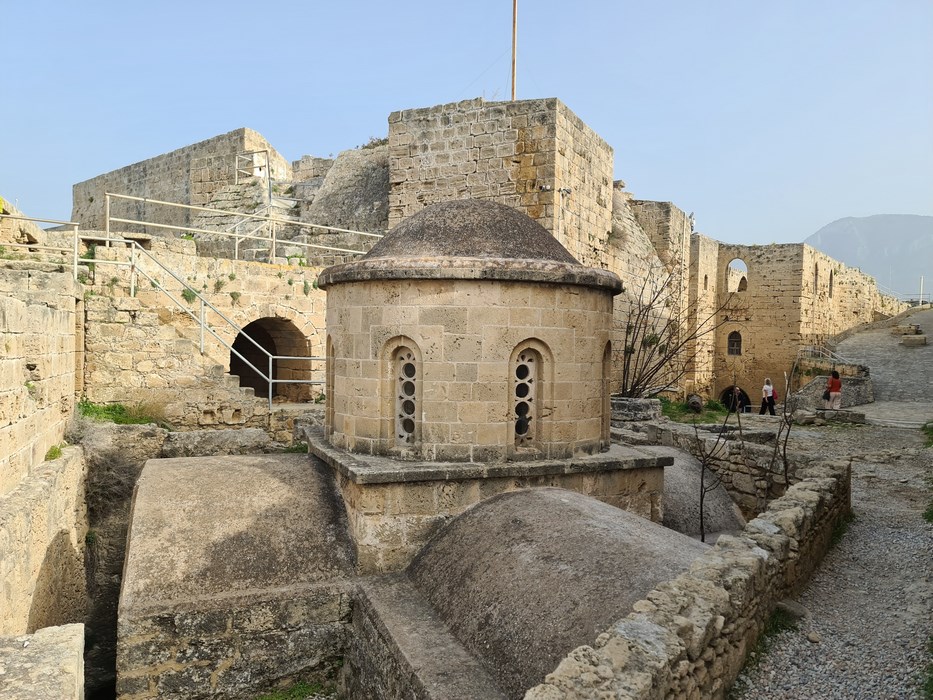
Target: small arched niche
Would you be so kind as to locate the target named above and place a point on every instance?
(735, 399)
(736, 276)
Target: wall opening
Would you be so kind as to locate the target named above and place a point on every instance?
(830, 284)
(526, 387)
(407, 377)
(736, 276)
(735, 399)
(277, 336)
(734, 346)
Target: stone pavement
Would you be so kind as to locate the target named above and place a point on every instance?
(902, 377)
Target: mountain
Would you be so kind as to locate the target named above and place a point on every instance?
(895, 249)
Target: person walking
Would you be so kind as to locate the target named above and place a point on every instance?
(834, 387)
(767, 398)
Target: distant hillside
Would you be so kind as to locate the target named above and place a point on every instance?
(896, 249)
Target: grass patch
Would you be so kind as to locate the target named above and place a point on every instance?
(139, 413)
(188, 294)
(927, 431)
(299, 691)
(55, 451)
(297, 448)
(713, 412)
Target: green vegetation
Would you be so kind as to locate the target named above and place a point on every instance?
(189, 294)
(307, 288)
(55, 451)
(713, 412)
(187, 236)
(299, 691)
(297, 448)
(231, 276)
(235, 298)
(290, 281)
(927, 431)
(219, 285)
(139, 413)
(375, 142)
(90, 539)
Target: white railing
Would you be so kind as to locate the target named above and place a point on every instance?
(821, 352)
(273, 224)
(139, 254)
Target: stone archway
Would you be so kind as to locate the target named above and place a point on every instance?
(734, 397)
(275, 336)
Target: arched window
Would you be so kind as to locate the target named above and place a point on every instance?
(705, 282)
(735, 343)
(736, 276)
(526, 383)
(405, 366)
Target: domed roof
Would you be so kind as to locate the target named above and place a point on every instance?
(471, 228)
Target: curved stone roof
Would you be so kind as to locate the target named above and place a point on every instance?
(523, 578)
(470, 239)
(471, 228)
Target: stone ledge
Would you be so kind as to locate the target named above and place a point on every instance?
(369, 469)
(45, 665)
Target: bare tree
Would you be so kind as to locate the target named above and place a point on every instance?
(659, 341)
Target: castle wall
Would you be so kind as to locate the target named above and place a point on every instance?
(146, 349)
(702, 303)
(188, 175)
(42, 514)
(517, 153)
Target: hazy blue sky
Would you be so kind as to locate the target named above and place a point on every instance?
(768, 120)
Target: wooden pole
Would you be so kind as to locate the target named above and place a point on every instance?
(514, 42)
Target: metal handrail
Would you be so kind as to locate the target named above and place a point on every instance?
(135, 251)
(821, 352)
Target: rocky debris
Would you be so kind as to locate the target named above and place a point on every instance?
(354, 193)
(205, 443)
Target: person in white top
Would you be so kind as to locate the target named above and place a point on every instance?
(767, 398)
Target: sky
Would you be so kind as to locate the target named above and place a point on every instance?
(766, 120)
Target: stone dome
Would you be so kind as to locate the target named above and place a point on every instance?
(471, 228)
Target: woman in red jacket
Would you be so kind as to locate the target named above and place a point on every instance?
(834, 387)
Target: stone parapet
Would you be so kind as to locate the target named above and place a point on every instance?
(689, 637)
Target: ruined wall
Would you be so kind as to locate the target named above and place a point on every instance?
(517, 153)
(690, 636)
(37, 367)
(146, 349)
(189, 175)
(702, 303)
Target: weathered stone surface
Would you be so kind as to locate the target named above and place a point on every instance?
(625, 410)
(354, 193)
(206, 443)
(45, 665)
(913, 341)
(524, 577)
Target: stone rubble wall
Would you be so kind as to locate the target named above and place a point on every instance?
(235, 645)
(43, 523)
(37, 366)
(146, 349)
(14, 231)
(689, 637)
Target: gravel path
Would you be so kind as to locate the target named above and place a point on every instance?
(870, 602)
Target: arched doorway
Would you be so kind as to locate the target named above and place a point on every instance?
(734, 398)
(736, 276)
(272, 336)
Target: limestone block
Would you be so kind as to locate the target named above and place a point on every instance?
(913, 341)
(45, 665)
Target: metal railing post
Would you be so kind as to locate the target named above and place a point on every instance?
(272, 256)
(201, 324)
(270, 384)
(75, 251)
(133, 270)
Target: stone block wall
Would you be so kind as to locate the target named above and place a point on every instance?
(47, 665)
(233, 647)
(689, 637)
(188, 175)
(146, 348)
(702, 303)
(518, 153)
(37, 366)
(43, 522)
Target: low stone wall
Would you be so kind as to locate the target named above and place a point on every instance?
(856, 390)
(626, 410)
(43, 523)
(235, 645)
(47, 665)
(689, 637)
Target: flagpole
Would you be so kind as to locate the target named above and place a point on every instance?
(514, 42)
